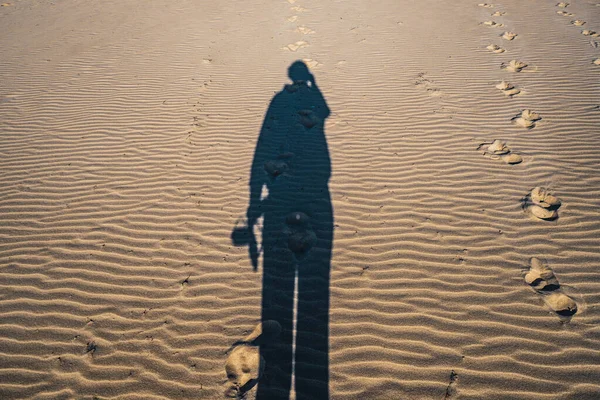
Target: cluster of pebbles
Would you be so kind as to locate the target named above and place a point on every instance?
(526, 119)
(499, 150)
(542, 279)
(244, 365)
(542, 205)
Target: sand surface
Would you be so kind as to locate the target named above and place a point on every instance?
(127, 134)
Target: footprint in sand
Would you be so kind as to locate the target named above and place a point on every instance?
(541, 278)
(486, 5)
(492, 24)
(293, 18)
(498, 14)
(587, 32)
(296, 46)
(311, 63)
(596, 61)
(304, 30)
(308, 118)
(298, 9)
(578, 22)
(565, 14)
(494, 48)
(508, 89)
(509, 35)
(427, 84)
(499, 150)
(275, 168)
(526, 119)
(514, 66)
(300, 235)
(244, 365)
(563, 5)
(541, 204)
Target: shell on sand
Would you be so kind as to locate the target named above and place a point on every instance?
(561, 303)
(509, 35)
(244, 367)
(540, 275)
(512, 158)
(495, 48)
(542, 213)
(515, 66)
(530, 115)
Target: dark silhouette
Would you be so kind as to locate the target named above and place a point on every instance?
(292, 161)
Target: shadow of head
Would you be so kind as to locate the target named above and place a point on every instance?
(298, 72)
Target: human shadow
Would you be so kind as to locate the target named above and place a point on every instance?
(291, 161)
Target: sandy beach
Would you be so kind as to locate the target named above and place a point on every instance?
(404, 193)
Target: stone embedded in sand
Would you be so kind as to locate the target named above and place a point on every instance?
(578, 22)
(275, 168)
(563, 5)
(542, 213)
(509, 35)
(308, 118)
(498, 14)
(560, 303)
(515, 66)
(541, 276)
(244, 367)
(512, 158)
(495, 48)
